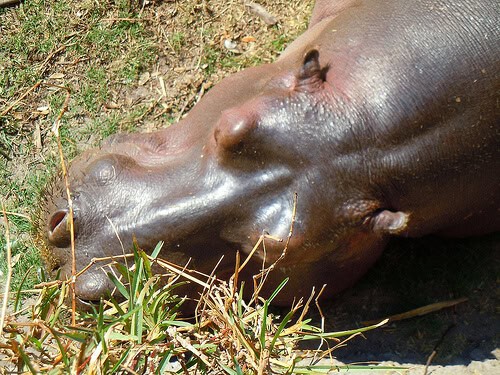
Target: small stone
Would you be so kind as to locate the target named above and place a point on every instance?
(57, 76)
(230, 44)
(144, 78)
(262, 13)
(496, 354)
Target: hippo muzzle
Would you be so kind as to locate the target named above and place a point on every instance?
(119, 195)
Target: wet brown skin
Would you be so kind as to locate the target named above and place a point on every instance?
(382, 117)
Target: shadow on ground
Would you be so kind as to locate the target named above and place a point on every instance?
(414, 273)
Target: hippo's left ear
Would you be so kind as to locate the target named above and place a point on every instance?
(389, 222)
(311, 71)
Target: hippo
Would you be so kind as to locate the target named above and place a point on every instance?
(380, 120)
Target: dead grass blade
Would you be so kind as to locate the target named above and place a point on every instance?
(8, 255)
(424, 310)
(12, 105)
(55, 131)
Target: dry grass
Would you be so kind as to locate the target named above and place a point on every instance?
(143, 334)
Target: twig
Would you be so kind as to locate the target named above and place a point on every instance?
(435, 350)
(182, 273)
(305, 309)
(41, 68)
(236, 274)
(252, 252)
(323, 340)
(9, 270)
(34, 87)
(7, 110)
(184, 342)
(55, 130)
(47, 284)
(210, 281)
(128, 19)
(18, 215)
(424, 310)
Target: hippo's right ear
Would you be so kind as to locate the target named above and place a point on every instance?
(389, 222)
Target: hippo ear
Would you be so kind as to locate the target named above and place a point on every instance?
(311, 70)
(389, 222)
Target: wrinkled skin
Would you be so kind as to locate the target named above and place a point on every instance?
(382, 117)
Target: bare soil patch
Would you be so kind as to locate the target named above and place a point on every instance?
(414, 273)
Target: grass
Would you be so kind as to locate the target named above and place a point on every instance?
(143, 334)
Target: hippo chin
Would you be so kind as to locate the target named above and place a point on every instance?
(382, 118)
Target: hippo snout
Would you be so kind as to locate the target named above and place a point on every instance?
(92, 284)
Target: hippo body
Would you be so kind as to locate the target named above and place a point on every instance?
(382, 118)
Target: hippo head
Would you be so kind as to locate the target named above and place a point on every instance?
(214, 183)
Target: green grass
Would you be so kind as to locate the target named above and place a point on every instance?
(29, 44)
(145, 334)
(178, 41)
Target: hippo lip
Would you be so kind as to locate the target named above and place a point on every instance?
(91, 286)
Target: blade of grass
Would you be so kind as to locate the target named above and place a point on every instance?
(328, 335)
(157, 250)
(26, 360)
(119, 285)
(280, 329)
(17, 300)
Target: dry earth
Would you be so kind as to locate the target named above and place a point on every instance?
(416, 273)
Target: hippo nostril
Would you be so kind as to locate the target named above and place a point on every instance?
(59, 234)
(56, 219)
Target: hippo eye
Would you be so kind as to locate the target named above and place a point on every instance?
(234, 127)
(59, 234)
(104, 171)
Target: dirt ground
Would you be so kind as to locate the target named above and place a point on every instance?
(415, 273)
